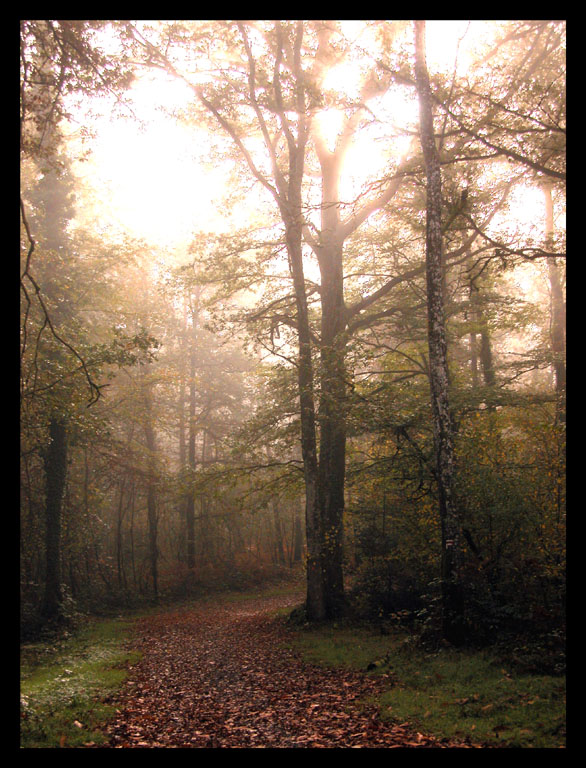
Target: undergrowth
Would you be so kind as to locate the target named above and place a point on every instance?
(456, 694)
(65, 684)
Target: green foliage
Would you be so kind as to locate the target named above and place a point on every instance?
(511, 499)
(511, 493)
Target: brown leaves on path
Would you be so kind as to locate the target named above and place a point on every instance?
(221, 675)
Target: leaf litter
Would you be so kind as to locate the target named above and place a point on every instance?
(224, 676)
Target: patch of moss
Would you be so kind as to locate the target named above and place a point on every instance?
(456, 694)
(65, 685)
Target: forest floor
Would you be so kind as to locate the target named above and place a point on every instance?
(224, 674)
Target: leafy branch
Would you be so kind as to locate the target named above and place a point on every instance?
(95, 389)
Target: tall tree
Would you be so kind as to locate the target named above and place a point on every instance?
(191, 432)
(269, 86)
(288, 93)
(452, 599)
(52, 198)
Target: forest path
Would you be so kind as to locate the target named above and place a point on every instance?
(220, 674)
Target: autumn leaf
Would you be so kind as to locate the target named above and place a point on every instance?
(213, 677)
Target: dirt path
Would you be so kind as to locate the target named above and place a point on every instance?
(221, 676)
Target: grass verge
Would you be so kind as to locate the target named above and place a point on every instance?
(64, 685)
(449, 693)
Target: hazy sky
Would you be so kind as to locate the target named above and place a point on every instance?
(154, 183)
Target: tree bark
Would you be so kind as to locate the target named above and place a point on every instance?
(315, 598)
(332, 405)
(291, 209)
(452, 597)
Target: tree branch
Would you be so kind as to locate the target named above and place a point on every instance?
(95, 390)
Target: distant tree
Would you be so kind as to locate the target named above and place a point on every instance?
(558, 306)
(63, 352)
(151, 483)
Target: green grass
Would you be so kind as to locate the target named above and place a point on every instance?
(64, 685)
(454, 694)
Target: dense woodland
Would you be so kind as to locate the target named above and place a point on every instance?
(357, 377)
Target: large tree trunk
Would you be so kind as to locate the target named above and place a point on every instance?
(332, 405)
(291, 208)
(452, 598)
(315, 601)
(55, 460)
(332, 452)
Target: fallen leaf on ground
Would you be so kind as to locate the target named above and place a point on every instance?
(224, 676)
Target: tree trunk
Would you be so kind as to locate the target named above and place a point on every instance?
(332, 452)
(278, 548)
(119, 536)
(332, 405)
(452, 598)
(291, 208)
(315, 600)
(297, 537)
(181, 405)
(190, 499)
(131, 534)
(558, 311)
(483, 352)
(55, 461)
(151, 492)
